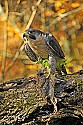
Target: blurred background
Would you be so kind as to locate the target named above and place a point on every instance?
(62, 18)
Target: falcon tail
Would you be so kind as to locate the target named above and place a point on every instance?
(62, 70)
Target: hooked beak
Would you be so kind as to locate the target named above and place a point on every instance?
(28, 35)
(25, 37)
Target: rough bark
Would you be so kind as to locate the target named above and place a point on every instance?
(22, 101)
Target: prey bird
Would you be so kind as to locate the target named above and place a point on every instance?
(41, 45)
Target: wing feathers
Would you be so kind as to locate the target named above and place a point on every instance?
(29, 52)
(54, 45)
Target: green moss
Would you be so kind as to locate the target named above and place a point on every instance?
(61, 62)
(44, 62)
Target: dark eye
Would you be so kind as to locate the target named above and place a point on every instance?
(30, 31)
(32, 36)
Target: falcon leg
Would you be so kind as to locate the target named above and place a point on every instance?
(52, 63)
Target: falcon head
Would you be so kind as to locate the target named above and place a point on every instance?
(33, 34)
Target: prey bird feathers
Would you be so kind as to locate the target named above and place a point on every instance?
(45, 46)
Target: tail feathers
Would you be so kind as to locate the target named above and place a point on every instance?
(62, 70)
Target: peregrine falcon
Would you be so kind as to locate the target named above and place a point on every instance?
(40, 45)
